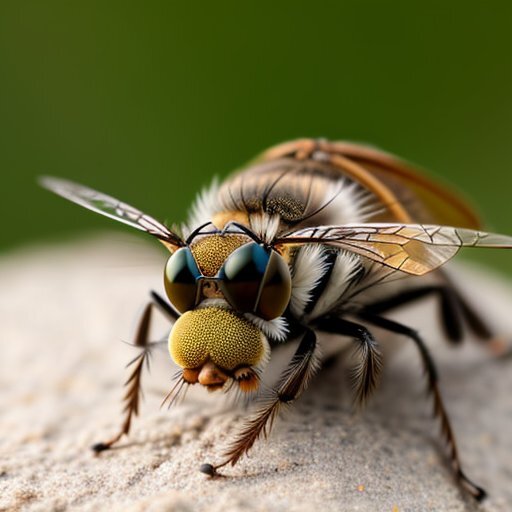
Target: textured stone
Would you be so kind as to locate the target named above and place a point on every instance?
(64, 311)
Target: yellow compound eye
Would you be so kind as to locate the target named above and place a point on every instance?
(221, 335)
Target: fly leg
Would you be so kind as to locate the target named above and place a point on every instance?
(366, 374)
(496, 344)
(292, 383)
(133, 383)
(452, 306)
(439, 409)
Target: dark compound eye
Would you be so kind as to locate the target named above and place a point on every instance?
(276, 288)
(256, 280)
(242, 274)
(180, 277)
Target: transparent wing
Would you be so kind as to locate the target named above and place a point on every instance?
(411, 248)
(111, 207)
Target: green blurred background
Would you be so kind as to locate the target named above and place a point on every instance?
(148, 100)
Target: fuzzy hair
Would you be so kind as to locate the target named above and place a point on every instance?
(214, 303)
(205, 206)
(277, 329)
(348, 203)
(308, 268)
(265, 226)
(345, 267)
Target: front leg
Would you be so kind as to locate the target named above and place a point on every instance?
(133, 383)
(292, 383)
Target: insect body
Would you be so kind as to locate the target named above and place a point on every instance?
(294, 245)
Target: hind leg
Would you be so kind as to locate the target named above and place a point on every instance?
(439, 408)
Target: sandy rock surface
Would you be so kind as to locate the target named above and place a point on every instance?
(64, 311)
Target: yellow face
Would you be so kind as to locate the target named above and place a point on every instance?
(215, 282)
(214, 344)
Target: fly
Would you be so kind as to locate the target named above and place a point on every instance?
(306, 237)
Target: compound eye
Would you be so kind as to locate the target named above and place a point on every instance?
(242, 274)
(180, 279)
(256, 280)
(276, 288)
